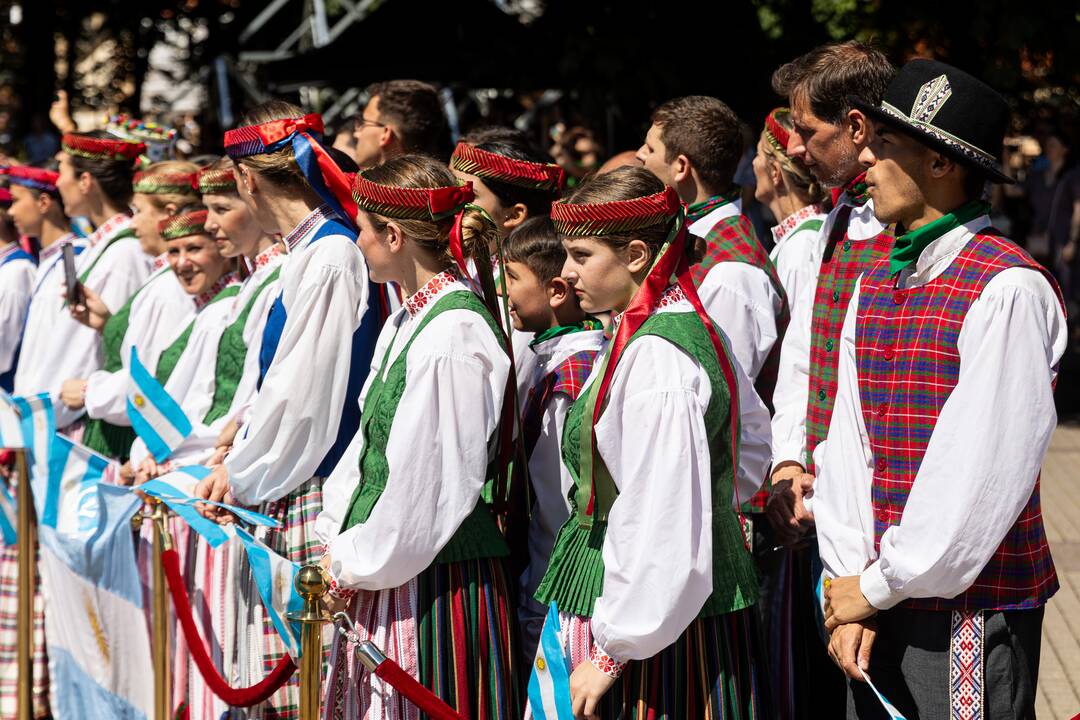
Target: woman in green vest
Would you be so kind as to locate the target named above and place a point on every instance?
(650, 577)
(413, 552)
(147, 321)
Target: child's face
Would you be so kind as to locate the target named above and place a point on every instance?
(530, 309)
(600, 277)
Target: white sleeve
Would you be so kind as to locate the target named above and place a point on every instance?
(792, 392)
(843, 512)
(755, 440)
(658, 547)
(16, 284)
(106, 396)
(978, 472)
(455, 381)
(122, 269)
(741, 301)
(296, 415)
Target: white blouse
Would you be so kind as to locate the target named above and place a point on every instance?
(294, 419)
(797, 251)
(444, 429)
(978, 472)
(16, 284)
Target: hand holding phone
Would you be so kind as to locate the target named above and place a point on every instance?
(71, 278)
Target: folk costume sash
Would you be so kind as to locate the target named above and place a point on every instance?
(302, 134)
(596, 493)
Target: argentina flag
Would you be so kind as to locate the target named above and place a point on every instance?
(11, 436)
(549, 684)
(274, 576)
(154, 415)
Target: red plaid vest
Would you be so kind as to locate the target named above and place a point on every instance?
(908, 364)
(568, 378)
(842, 262)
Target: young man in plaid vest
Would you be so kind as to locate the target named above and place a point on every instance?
(927, 504)
(694, 146)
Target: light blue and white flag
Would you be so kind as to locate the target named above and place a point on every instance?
(38, 429)
(154, 415)
(176, 489)
(11, 437)
(549, 684)
(98, 642)
(70, 493)
(894, 714)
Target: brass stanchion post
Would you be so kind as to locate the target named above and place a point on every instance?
(27, 542)
(160, 625)
(311, 585)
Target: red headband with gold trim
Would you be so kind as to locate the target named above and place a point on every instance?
(93, 148)
(492, 166)
(179, 226)
(160, 183)
(777, 135)
(596, 219)
(221, 180)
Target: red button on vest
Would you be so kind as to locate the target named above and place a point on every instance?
(888, 353)
(883, 516)
(882, 409)
(899, 297)
(881, 464)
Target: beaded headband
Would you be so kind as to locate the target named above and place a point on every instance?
(596, 219)
(302, 134)
(130, 128)
(492, 166)
(221, 180)
(179, 226)
(775, 133)
(164, 183)
(33, 178)
(93, 148)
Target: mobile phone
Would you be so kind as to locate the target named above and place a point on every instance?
(71, 278)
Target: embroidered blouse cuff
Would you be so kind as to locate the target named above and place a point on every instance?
(875, 587)
(335, 589)
(605, 663)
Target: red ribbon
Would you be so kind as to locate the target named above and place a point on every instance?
(277, 130)
(238, 697)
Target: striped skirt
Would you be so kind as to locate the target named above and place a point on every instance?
(715, 670)
(452, 628)
(9, 619)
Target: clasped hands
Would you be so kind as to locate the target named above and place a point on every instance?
(849, 619)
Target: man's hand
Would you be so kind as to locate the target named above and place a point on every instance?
(72, 393)
(92, 311)
(784, 509)
(587, 687)
(850, 646)
(803, 487)
(60, 113)
(845, 603)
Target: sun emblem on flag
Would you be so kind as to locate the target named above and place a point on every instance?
(139, 400)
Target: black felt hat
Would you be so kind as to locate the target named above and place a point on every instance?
(948, 110)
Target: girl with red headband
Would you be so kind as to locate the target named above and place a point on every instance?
(315, 350)
(148, 320)
(412, 547)
(650, 576)
(95, 181)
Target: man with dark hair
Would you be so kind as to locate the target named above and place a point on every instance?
(828, 134)
(694, 145)
(927, 502)
(401, 116)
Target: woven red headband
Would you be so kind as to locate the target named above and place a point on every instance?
(492, 166)
(775, 132)
(179, 226)
(5, 197)
(410, 203)
(32, 177)
(258, 139)
(221, 180)
(619, 216)
(158, 183)
(93, 148)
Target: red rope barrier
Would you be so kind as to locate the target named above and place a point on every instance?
(428, 702)
(237, 697)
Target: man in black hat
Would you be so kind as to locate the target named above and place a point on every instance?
(927, 505)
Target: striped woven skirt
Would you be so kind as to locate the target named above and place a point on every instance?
(452, 628)
(9, 619)
(715, 670)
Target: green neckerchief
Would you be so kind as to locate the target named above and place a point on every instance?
(559, 330)
(698, 210)
(910, 245)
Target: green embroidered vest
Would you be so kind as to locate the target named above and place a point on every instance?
(232, 350)
(575, 574)
(478, 536)
(171, 355)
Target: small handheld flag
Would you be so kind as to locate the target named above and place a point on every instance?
(11, 436)
(894, 714)
(154, 415)
(274, 577)
(549, 684)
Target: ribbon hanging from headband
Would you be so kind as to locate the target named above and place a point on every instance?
(329, 181)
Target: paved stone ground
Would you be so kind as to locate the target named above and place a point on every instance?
(1059, 672)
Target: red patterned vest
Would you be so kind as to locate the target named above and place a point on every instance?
(908, 364)
(842, 262)
(568, 378)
